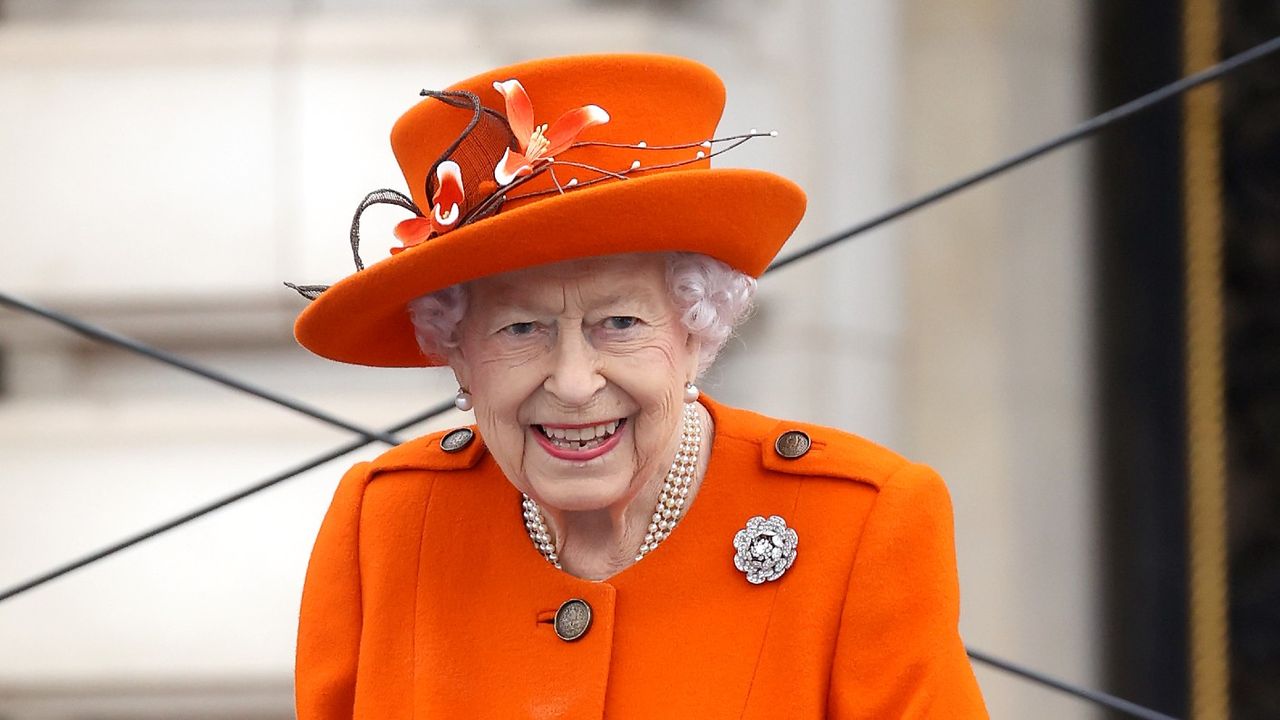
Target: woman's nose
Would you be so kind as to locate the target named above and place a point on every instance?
(575, 372)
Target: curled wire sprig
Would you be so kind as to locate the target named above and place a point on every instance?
(734, 140)
(377, 197)
(385, 196)
(682, 146)
(621, 175)
(462, 99)
(503, 194)
(310, 292)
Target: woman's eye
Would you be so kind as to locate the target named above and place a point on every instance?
(621, 322)
(520, 328)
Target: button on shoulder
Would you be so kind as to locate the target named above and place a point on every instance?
(457, 440)
(804, 449)
(453, 449)
(792, 444)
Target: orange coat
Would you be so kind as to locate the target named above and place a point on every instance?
(426, 599)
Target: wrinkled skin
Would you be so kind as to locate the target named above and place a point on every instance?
(584, 341)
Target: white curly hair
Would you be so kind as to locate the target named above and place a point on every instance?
(711, 297)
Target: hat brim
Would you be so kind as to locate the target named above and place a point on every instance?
(739, 216)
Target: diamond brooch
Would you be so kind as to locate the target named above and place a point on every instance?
(765, 549)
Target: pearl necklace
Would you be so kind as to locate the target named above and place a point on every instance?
(671, 501)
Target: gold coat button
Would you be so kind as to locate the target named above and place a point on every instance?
(792, 444)
(456, 440)
(573, 619)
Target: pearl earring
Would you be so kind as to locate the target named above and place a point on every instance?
(463, 400)
(691, 392)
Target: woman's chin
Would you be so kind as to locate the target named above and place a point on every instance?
(580, 494)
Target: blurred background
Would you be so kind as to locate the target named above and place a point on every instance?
(166, 164)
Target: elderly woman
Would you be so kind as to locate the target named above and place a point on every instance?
(606, 541)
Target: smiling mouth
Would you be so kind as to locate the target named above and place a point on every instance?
(580, 439)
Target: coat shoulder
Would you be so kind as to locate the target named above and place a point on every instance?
(458, 448)
(798, 448)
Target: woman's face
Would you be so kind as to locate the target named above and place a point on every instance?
(577, 374)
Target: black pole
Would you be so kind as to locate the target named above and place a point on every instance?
(1140, 382)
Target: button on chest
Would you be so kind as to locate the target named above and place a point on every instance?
(573, 619)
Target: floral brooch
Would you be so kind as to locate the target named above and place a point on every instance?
(765, 549)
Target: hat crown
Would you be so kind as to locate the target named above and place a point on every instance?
(652, 102)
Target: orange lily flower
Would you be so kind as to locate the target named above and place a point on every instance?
(537, 142)
(444, 214)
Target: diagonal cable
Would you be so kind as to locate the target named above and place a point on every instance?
(93, 332)
(218, 504)
(1106, 700)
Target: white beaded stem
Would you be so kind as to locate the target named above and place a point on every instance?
(671, 501)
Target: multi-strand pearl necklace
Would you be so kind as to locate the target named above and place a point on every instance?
(671, 501)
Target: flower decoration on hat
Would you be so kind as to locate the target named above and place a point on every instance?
(538, 143)
(444, 213)
(500, 153)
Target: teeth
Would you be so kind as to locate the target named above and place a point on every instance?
(581, 434)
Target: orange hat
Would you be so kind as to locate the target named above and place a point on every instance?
(622, 166)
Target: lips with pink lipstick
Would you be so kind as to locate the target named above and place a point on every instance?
(581, 441)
